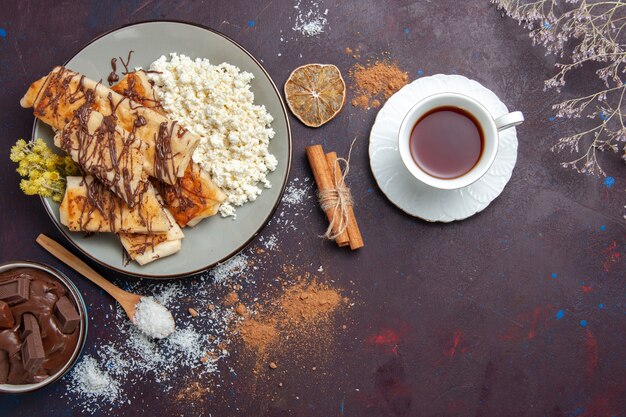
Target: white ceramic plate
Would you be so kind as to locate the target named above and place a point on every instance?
(418, 199)
(215, 239)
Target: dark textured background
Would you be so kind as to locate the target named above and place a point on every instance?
(450, 320)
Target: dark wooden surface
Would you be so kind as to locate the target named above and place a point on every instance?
(468, 310)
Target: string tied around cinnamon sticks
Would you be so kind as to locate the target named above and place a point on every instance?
(337, 198)
(334, 196)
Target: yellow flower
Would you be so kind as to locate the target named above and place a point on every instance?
(43, 170)
(18, 150)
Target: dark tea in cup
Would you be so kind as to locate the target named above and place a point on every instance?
(446, 142)
(450, 140)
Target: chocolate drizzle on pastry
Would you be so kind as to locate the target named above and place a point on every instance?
(58, 96)
(163, 155)
(111, 154)
(89, 206)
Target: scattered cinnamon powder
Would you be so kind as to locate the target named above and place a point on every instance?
(361, 101)
(297, 324)
(231, 298)
(308, 302)
(376, 81)
(193, 393)
(240, 309)
(258, 335)
(355, 53)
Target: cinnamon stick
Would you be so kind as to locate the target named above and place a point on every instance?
(324, 180)
(331, 158)
(354, 233)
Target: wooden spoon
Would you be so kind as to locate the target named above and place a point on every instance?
(127, 300)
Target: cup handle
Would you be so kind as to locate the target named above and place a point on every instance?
(509, 120)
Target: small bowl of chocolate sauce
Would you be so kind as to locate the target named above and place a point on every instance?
(43, 326)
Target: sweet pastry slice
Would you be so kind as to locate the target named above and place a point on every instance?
(57, 97)
(105, 151)
(88, 206)
(193, 198)
(137, 87)
(145, 248)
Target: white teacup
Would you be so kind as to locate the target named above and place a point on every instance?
(487, 124)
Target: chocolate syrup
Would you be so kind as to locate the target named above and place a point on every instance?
(113, 77)
(125, 64)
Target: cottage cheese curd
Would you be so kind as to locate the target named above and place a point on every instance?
(215, 102)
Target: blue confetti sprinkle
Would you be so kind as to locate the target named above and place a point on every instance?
(609, 182)
(554, 275)
(552, 118)
(600, 305)
(420, 72)
(407, 30)
(251, 23)
(583, 323)
(547, 25)
(3, 32)
(603, 116)
(369, 190)
(603, 227)
(560, 314)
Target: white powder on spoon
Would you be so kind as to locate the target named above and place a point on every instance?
(153, 319)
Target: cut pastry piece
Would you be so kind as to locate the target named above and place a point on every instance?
(193, 198)
(144, 251)
(145, 248)
(107, 152)
(88, 206)
(136, 87)
(56, 97)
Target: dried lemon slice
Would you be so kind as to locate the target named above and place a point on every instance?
(315, 93)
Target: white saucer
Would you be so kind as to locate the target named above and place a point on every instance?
(418, 199)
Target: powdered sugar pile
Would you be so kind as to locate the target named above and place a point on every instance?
(269, 243)
(153, 319)
(94, 384)
(310, 21)
(224, 272)
(295, 192)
